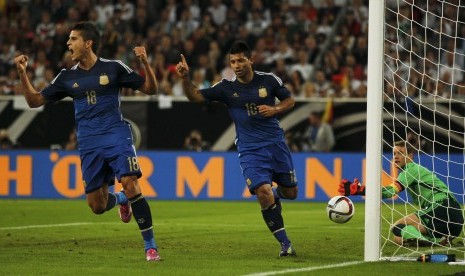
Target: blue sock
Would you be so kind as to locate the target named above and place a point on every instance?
(281, 236)
(149, 239)
(121, 198)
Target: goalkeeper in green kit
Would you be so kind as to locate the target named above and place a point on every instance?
(439, 219)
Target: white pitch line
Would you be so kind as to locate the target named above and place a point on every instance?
(52, 225)
(119, 223)
(155, 224)
(303, 269)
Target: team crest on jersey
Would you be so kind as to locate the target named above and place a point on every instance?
(249, 182)
(75, 85)
(262, 93)
(104, 80)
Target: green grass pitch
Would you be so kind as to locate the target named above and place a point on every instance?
(63, 237)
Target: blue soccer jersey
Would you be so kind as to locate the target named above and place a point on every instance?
(252, 129)
(96, 97)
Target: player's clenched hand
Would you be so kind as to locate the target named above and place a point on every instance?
(266, 110)
(182, 68)
(347, 188)
(140, 52)
(21, 63)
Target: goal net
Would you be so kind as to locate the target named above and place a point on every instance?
(423, 104)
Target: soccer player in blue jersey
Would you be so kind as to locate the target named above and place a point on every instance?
(263, 154)
(105, 140)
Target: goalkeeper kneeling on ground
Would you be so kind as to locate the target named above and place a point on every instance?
(439, 218)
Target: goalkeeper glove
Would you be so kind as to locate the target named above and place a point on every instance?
(347, 188)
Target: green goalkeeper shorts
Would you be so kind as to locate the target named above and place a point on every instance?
(442, 219)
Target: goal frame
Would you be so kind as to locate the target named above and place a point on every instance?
(374, 130)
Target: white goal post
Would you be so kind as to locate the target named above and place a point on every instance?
(374, 130)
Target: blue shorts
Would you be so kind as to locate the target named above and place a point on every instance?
(268, 164)
(102, 165)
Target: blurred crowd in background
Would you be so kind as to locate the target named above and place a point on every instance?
(317, 47)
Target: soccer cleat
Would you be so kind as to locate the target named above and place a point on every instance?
(125, 212)
(446, 241)
(152, 255)
(287, 250)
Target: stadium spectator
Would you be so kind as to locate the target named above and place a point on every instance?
(194, 142)
(141, 22)
(311, 45)
(360, 50)
(439, 219)
(309, 9)
(10, 83)
(71, 143)
(318, 136)
(282, 71)
(45, 28)
(284, 52)
(39, 65)
(308, 90)
(165, 88)
(256, 24)
(351, 22)
(5, 140)
(186, 24)
(57, 10)
(258, 6)
(193, 8)
(198, 78)
(297, 82)
(104, 137)
(322, 85)
(218, 11)
(291, 141)
(127, 10)
(105, 10)
(239, 9)
(302, 65)
(360, 11)
(263, 153)
(110, 39)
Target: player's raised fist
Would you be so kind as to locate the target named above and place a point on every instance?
(140, 52)
(21, 63)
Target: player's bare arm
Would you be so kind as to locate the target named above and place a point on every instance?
(190, 90)
(33, 98)
(150, 86)
(283, 106)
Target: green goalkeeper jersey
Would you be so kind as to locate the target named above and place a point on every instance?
(423, 186)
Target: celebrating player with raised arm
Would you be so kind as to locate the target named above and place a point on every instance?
(263, 154)
(105, 140)
(440, 217)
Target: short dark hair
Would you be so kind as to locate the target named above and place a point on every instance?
(89, 31)
(240, 47)
(411, 149)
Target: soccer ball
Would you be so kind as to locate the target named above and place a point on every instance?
(340, 209)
